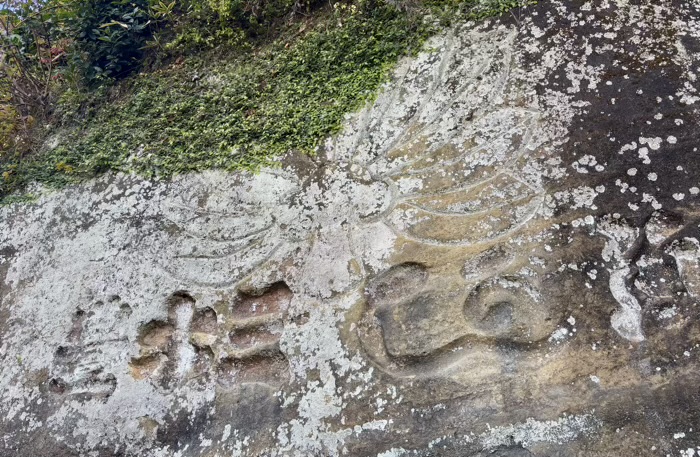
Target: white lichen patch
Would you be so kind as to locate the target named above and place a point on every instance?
(627, 320)
(532, 431)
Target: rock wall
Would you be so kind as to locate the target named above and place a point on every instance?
(498, 257)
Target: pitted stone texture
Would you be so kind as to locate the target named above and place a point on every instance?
(497, 257)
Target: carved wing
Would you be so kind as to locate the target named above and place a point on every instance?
(228, 225)
(451, 145)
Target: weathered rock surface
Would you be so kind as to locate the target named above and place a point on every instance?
(500, 257)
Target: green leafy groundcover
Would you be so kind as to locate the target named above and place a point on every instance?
(238, 113)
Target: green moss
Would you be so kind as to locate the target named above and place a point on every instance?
(241, 111)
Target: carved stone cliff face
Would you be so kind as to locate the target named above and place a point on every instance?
(500, 256)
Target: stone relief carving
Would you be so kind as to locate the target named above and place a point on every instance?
(79, 369)
(408, 178)
(235, 343)
(434, 269)
(464, 289)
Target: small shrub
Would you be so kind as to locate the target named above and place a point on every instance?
(108, 37)
(206, 24)
(9, 123)
(29, 55)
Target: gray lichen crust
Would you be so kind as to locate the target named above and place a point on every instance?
(500, 256)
